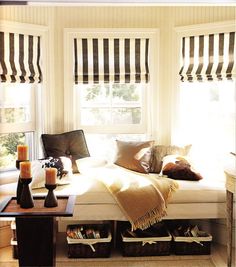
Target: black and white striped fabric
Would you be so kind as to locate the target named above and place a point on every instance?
(208, 57)
(20, 58)
(111, 60)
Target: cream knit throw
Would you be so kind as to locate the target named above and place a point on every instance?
(143, 198)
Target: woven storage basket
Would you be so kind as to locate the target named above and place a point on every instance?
(192, 245)
(146, 246)
(90, 248)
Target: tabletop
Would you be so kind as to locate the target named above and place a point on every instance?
(10, 208)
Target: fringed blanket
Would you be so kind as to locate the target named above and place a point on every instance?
(142, 197)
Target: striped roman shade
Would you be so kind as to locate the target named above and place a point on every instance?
(111, 60)
(20, 58)
(208, 57)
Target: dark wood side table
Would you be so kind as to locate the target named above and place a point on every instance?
(36, 228)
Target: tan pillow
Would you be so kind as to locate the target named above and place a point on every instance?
(160, 151)
(135, 156)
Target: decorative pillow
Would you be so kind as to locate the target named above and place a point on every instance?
(177, 167)
(160, 151)
(135, 156)
(64, 171)
(70, 144)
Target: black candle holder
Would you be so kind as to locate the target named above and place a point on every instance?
(51, 199)
(26, 200)
(19, 183)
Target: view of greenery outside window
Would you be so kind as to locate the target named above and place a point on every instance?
(16, 121)
(111, 104)
(8, 144)
(110, 111)
(207, 121)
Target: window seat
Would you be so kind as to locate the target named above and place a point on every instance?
(194, 199)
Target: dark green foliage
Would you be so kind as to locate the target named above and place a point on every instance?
(10, 142)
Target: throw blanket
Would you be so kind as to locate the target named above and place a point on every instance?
(143, 198)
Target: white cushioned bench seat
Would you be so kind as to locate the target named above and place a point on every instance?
(199, 191)
(91, 191)
(193, 199)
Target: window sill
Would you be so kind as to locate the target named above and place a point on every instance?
(8, 177)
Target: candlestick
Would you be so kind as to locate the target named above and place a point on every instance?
(22, 152)
(26, 200)
(51, 199)
(19, 183)
(25, 169)
(51, 175)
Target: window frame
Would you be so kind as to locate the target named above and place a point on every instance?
(180, 32)
(151, 98)
(39, 95)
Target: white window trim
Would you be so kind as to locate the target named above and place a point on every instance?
(153, 92)
(44, 117)
(184, 31)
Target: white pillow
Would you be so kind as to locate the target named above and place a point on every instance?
(38, 172)
(84, 164)
(38, 175)
(173, 159)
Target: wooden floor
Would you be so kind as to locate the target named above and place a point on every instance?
(216, 259)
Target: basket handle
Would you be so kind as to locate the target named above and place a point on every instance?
(91, 245)
(148, 242)
(190, 240)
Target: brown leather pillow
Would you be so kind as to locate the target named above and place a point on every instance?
(70, 144)
(135, 156)
(180, 169)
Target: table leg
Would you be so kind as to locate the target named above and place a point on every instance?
(229, 199)
(36, 241)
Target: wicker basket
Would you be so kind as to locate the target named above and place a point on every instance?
(146, 246)
(90, 248)
(192, 245)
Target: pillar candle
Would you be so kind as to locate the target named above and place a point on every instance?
(51, 175)
(25, 169)
(22, 152)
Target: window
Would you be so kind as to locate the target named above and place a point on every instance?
(17, 121)
(107, 107)
(21, 72)
(207, 121)
(113, 87)
(206, 107)
(109, 112)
